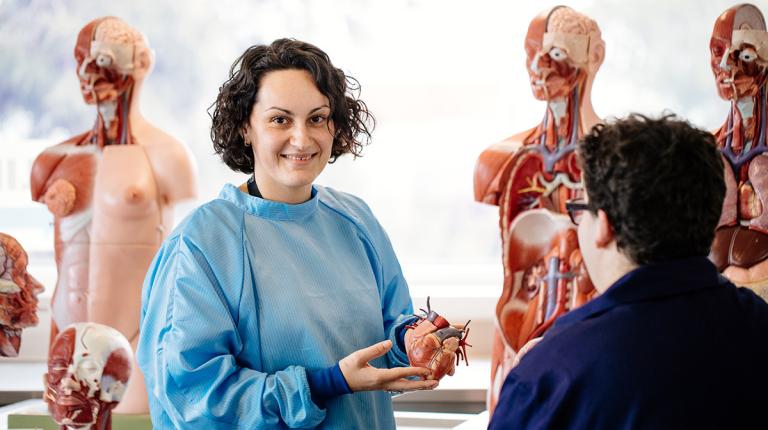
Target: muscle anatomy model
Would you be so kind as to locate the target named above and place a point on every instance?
(537, 169)
(89, 366)
(111, 190)
(739, 48)
(18, 295)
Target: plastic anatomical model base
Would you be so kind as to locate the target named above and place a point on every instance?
(739, 48)
(89, 366)
(18, 296)
(111, 190)
(538, 169)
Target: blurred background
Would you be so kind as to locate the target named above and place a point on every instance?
(444, 79)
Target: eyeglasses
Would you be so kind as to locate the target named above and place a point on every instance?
(576, 210)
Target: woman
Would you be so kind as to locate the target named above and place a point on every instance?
(253, 300)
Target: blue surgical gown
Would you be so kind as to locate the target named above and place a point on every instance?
(247, 294)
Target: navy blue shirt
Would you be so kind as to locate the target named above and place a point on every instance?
(668, 346)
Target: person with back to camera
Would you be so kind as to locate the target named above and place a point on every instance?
(280, 304)
(669, 343)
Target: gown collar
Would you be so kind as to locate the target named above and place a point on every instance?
(267, 208)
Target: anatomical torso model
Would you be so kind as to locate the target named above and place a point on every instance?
(739, 48)
(89, 366)
(111, 190)
(18, 296)
(531, 176)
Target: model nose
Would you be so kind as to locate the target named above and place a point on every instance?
(535, 63)
(85, 69)
(724, 61)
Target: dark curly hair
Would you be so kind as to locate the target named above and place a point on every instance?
(659, 181)
(234, 104)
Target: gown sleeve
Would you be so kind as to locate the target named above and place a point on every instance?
(189, 347)
(397, 307)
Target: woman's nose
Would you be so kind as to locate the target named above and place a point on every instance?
(300, 136)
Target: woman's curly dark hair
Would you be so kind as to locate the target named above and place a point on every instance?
(234, 104)
(659, 181)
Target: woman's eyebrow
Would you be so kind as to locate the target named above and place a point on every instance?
(291, 113)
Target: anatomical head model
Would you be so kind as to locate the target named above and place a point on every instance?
(111, 57)
(88, 368)
(111, 190)
(739, 62)
(531, 175)
(18, 296)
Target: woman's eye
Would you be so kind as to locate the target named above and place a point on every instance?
(280, 120)
(748, 55)
(557, 54)
(318, 119)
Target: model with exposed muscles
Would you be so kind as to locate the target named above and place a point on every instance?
(18, 295)
(739, 48)
(111, 190)
(531, 176)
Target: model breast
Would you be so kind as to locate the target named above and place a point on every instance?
(124, 183)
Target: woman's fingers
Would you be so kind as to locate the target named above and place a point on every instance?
(363, 356)
(408, 385)
(396, 373)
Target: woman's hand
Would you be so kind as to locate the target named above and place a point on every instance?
(361, 376)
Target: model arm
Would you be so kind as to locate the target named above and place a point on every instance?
(59, 195)
(493, 166)
(174, 169)
(62, 176)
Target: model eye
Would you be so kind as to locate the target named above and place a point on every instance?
(748, 55)
(557, 54)
(103, 60)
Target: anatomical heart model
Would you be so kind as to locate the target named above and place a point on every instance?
(537, 169)
(739, 48)
(433, 343)
(18, 296)
(89, 366)
(111, 190)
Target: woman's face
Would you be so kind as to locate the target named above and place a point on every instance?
(291, 134)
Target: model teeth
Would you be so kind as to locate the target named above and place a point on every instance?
(728, 81)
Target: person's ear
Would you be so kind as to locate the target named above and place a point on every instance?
(244, 134)
(603, 230)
